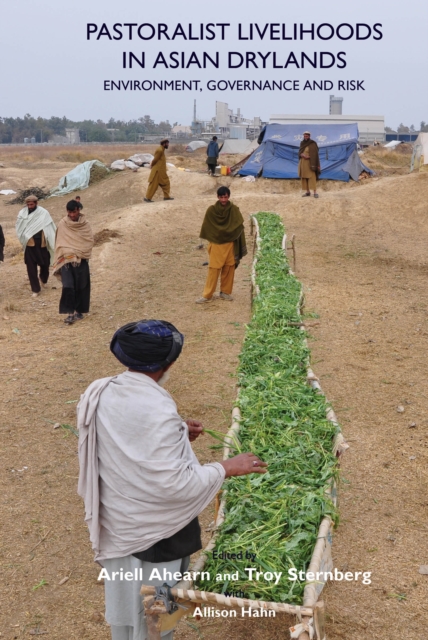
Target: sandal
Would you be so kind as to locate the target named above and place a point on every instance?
(305, 195)
(316, 195)
(69, 319)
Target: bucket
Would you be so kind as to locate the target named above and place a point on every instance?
(225, 171)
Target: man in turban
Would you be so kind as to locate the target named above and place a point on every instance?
(309, 165)
(36, 232)
(73, 249)
(223, 227)
(142, 485)
(158, 176)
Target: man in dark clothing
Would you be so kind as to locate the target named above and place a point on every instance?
(73, 248)
(212, 155)
(1, 244)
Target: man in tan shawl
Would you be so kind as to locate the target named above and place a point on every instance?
(223, 227)
(142, 484)
(158, 176)
(309, 165)
(73, 248)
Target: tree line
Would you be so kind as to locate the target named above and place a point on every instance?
(14, 130)
(402, 128)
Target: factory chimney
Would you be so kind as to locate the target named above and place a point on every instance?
(335, 106)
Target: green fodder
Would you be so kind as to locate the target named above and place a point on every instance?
(283, 420)
(98, 173)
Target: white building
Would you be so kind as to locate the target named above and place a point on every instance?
(181, 131)
(73, 136)
(371, 128)
(234, 125)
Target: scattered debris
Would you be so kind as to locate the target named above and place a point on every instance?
(97, 617)
(141, 158)
(400, 409)
(64, 580)
(104, 236)
(412, 425)
(39, 192)
(423, 569)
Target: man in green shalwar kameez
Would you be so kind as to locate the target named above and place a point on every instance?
(223, 227)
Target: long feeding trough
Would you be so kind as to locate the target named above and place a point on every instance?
(269, 527)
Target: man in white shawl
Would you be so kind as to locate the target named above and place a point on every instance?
(142, 484)
(36, 232)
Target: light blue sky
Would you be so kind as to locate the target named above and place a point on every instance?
(47, 66)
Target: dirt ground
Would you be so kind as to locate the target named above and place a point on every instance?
(361, 256)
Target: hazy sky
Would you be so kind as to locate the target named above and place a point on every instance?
(48, 67)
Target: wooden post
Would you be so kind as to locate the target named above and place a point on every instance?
(152, 619)
(293, 247)
(319, 620)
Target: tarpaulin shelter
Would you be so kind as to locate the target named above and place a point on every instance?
(278, 153)
(196, 144)
(238, 145)
(419, 160)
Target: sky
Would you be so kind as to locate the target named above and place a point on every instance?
(48, 67)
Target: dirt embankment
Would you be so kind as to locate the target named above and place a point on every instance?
(362, 260)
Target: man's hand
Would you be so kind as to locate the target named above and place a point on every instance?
(195, 429)
(243, 464)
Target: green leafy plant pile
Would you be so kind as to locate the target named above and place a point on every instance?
(277, 515)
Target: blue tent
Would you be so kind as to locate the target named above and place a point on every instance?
(278, 153)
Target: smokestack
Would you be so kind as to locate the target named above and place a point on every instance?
(194, 110)
(335, 106)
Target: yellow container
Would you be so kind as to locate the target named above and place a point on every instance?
(223, 171)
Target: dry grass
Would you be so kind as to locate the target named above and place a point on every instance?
(73, 153)
(12, 247)
(388, 160)
(177, 149)
(12, 306)
(359, 251)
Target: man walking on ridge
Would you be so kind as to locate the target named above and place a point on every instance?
(158, 176)
(36, 232)
(73, 248)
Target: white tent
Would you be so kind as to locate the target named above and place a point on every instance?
(238, 145)
(422, 140)
(419, 160)
(392, 144)
(196, 144)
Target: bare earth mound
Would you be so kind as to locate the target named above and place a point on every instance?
(362, 259)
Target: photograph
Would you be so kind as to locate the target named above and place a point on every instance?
(214, 320)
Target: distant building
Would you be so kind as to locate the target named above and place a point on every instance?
(56, 139)
(370, 128)
(335, 106)
(72, 136)
(181, 131)
(234, 125)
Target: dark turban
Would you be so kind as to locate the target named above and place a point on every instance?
(147, 345)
